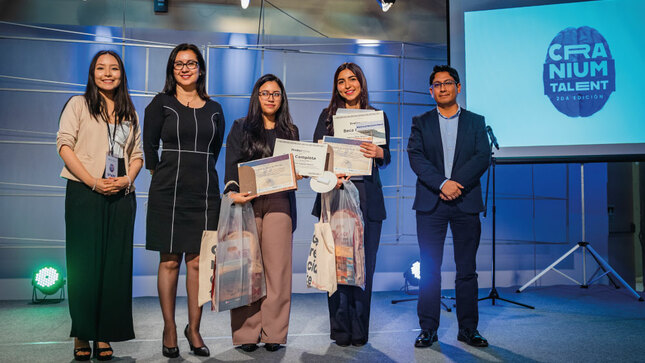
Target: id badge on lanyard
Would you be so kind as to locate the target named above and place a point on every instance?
(111, 161)
(111, 166)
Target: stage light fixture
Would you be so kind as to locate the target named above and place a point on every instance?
(161, 6)
(244, 3)
(413, 274)
(48, 280)
(385, 4)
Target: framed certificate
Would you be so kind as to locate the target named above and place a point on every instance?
(268, 175)
(360, 125)
(347, 157)
(308, 157)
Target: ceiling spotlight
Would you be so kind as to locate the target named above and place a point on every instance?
(385, 4)
(244, 3)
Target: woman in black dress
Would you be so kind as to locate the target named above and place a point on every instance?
(253, 137)
(184, 192)
(349, 306)
(99, 208)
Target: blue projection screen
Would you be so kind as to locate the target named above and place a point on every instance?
(559, 82)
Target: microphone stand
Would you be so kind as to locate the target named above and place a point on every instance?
(493, 294)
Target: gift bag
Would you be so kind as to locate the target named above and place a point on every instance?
(206, 266)
(346, 223)
(321, 263)
(239, 273)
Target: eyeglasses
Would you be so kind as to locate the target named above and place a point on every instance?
(445, 84)
(266, 94)
(190, 65)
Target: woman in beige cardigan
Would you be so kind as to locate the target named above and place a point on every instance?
(99, 140)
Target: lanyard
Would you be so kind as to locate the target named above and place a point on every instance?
(111, 138)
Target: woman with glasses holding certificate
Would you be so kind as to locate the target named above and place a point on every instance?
(349, 306)
(100, 142)
(184, 192)
(253, 137)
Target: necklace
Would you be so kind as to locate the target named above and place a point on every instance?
(188, 101)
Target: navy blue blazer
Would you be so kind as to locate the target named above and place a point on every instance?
(472, 157)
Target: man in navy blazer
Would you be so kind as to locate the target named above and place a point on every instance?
(449, 152)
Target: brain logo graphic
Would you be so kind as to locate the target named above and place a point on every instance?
(579, 73)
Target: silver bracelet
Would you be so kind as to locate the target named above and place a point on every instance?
(95, 181)
(127, 190)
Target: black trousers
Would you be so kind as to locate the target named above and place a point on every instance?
(349, 306)
(99, 231)
(431, 233)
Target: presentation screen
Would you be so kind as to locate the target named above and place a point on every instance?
(559, 81)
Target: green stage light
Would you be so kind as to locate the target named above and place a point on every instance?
(48, 281)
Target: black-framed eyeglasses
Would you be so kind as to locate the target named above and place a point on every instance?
(191, 64)
(266, 94)
(445, 84)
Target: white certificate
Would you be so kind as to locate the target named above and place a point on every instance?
(308, 157)
(347, 156)
(341, 111)
(359, 125)
(268, 175)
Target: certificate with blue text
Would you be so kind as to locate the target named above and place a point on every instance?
(309, 158)
(360, 124)
(347, 157)
(268, 175)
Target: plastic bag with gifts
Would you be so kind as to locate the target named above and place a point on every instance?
(239, 273)
(347, 227)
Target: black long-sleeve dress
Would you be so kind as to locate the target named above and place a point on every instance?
(184, 195)
(349, 306)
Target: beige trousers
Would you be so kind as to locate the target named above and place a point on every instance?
(267, 320)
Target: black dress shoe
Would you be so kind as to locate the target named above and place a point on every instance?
(472, 337)
(342, 343)
(169, 352)
(426, 338)
(200, 351)
(271, 347)
(248, 347)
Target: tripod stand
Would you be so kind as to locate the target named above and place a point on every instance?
(416, 292)
(493, 294)
(585, 247)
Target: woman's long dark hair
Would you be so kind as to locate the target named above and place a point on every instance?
(123, 107)
(170, 88)
(337, 101)
(254, 138)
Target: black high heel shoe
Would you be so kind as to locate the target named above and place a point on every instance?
(200, 351)
(169, 352)
(98, 351)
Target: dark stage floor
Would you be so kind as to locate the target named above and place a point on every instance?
(569, 324)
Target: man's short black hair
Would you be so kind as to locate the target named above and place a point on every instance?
(444, 68)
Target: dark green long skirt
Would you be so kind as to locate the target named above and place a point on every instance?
(99, 231)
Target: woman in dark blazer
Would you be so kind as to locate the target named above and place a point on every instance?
(349, 306)
(253, 137)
